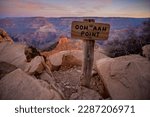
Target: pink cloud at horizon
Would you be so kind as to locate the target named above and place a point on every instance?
(67, 8)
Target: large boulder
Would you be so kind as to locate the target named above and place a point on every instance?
(126, 77)
(65, 58)
(13, 54)
(17, 85)
(6, 68)
(71, 58)
(146, 51)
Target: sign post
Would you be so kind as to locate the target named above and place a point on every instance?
(88, 31)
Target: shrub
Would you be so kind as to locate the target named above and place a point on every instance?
(130, 43)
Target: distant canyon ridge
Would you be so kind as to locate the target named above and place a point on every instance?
(42, 32)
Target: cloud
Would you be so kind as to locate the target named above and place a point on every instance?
(74, 8)
(18, 6)
(29, 8)
(47, 8)
(88, 7)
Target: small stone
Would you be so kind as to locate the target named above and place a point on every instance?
(35, 66)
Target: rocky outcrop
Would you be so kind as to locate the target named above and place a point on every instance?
(13, 54)
(4, 37)
(17, 85)
(32, 30)
(126, 77)
(146, 51)
(63, 40)
(63, 44)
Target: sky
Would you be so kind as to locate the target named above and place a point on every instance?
(75, 8)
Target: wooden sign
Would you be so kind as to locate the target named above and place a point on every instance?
(89, 30)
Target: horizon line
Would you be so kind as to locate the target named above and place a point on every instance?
(72, 17)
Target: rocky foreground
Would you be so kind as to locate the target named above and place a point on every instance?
(27, 74)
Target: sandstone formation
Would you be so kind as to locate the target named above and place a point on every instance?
(126, 77)
(63, 44)
(18, 85)
(13, 54)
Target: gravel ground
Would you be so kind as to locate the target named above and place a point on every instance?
(69, 81)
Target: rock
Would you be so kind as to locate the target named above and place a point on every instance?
(13, 54)
(56, 59)
(52, 46)
(74, 96)
(46, 77)
(97, 85)
(30, 53)
(85, 94)
(78, 54)
(35, 66)
(68, 61)
(49, 82)
(17, 85)
(6, 68)
(126, 77)
(94, 72)
(146, 51)
(65, 58)
(63, 40)
(63, 44)
(99, 54)
(4, 37)
(56, 92)
(70, 58)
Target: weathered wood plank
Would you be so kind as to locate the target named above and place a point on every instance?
(87, 60)
(89, 30)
